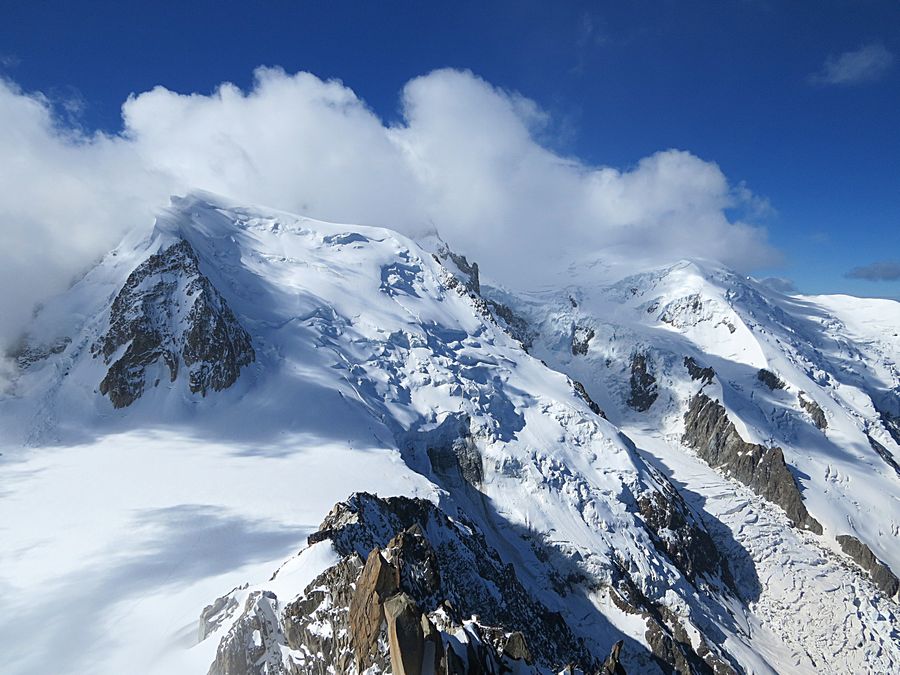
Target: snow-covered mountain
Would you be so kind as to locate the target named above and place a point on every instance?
(250, 442)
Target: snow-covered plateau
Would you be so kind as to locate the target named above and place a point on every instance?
(251, 442)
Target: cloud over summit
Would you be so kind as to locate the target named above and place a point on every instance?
(464, 159)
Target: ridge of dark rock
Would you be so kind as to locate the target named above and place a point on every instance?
(770, 379)
(709, 431)
(881, 574)
(815, 412)
(426, 578)
(698, 372)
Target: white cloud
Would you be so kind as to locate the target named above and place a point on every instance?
(866, 64)
(464, 159)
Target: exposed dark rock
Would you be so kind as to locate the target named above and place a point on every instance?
(669, 643)
(326, 602)
(448, 565)
(643, 384)
(611, 665)
(427, 577)
(516, 648)
(459, 459)
(212, 615)
(891, 422)
(815, 412)
(668, 650)
(678, 533)
(466, 283)
(884, 454)
(881, 574)
(582, 393)
(252, 645)
(469, 270)
(168, 312)
(514, 324)
(377, 582)
(581, 339)
(697, 372)
(26, 354)
(709, 431)
(406, 639)
(770, 379)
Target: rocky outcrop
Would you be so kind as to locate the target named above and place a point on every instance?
(643, 384)
(253, 643)
(457, 462)
(515, 325)
(468, 272)
(815, 411)
(407, 629)
(581, 339)
(431, 597)
(770, 379)
(697, 372)
(884, 454)
(677, 532)
(891, 422)
(462, 276)
(880, 573)
(611, 665)
(169, 315)
(26, 354)
(709, 431)
(584, 396)
(377, 582)
(671, 647)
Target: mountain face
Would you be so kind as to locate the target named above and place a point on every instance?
(168, 312)
(397, 467)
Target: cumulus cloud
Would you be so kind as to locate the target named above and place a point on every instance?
(877, 271)
(464, 159)
(866, 64)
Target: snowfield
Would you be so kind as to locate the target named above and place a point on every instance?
(381, 365)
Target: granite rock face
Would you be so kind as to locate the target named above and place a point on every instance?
(698, 372)
(643, 384)
(431, 597)
(709, 431)
(584, 396)
(611, 665)
(815, 412)
(468, 272)
(880, 573)
(770, 379)
(512, 323)
(581, 340)
(677, 532)
(167, 316)
(462, 277)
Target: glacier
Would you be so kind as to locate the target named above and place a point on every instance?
(263, 369)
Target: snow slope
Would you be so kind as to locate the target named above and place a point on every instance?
(836, 351)
(120, 524)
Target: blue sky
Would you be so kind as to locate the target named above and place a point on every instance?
(798, 101)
